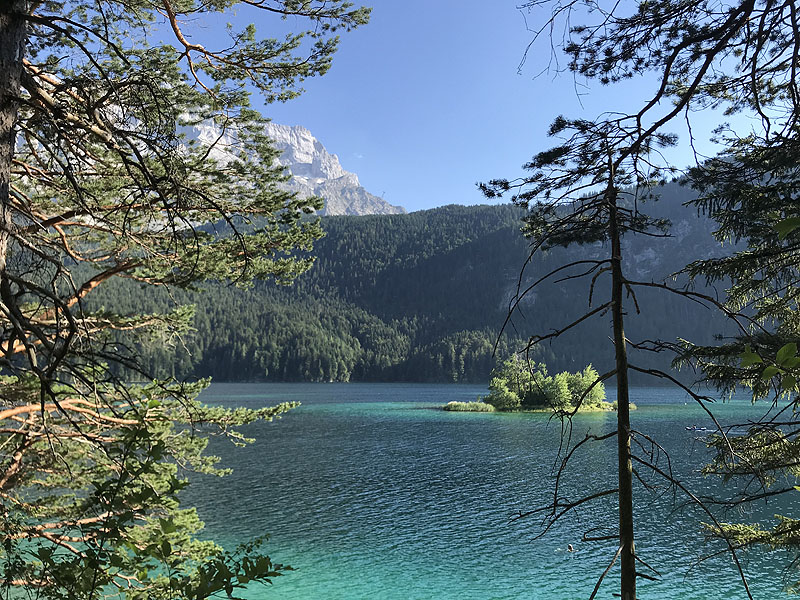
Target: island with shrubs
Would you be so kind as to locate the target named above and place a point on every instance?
(520, 385)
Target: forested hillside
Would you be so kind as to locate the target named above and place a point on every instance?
(421, 297)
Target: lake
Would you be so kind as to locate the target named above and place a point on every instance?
(369, 492)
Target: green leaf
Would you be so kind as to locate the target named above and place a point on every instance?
(166, 549)
(45, 554)
(116, 561)
(787, 226)
(750, 358)
(788, 383)
(787, 352)
(769, 372)
(167, 525)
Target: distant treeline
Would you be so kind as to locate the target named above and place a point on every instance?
(416, 297)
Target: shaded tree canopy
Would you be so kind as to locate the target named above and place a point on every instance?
(98, 181)
(387, 301)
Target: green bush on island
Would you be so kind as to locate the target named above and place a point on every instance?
(469, 407)
(521, 385)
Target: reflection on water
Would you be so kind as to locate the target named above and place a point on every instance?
(372, 493)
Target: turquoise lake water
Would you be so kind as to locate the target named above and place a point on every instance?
(369, 492)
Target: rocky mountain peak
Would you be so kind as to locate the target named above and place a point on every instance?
(317, 172)
(303, 153)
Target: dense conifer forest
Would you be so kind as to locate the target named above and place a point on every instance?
(417, 297)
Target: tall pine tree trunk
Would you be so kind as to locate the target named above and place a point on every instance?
(12, 45)
(625, 468)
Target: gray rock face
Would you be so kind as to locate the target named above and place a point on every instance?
(317, 172)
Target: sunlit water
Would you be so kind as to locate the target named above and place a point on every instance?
(369, 492)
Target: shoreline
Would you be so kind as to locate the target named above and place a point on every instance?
(482, 407)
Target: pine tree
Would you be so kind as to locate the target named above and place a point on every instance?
(576, 195)
(751, 190)
(98, 181)
(727, 56)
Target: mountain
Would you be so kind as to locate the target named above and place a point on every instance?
(317, 172)
(423, 296)
(314, 170)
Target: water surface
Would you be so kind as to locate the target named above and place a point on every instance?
(370, 492)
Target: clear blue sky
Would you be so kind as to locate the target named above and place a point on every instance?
(427, 100)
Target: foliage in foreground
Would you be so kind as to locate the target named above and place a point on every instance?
(99, 181)
(92, 494)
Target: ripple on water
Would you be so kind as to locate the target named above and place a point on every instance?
(371, 497)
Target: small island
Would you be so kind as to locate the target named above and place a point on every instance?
(519, 385)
